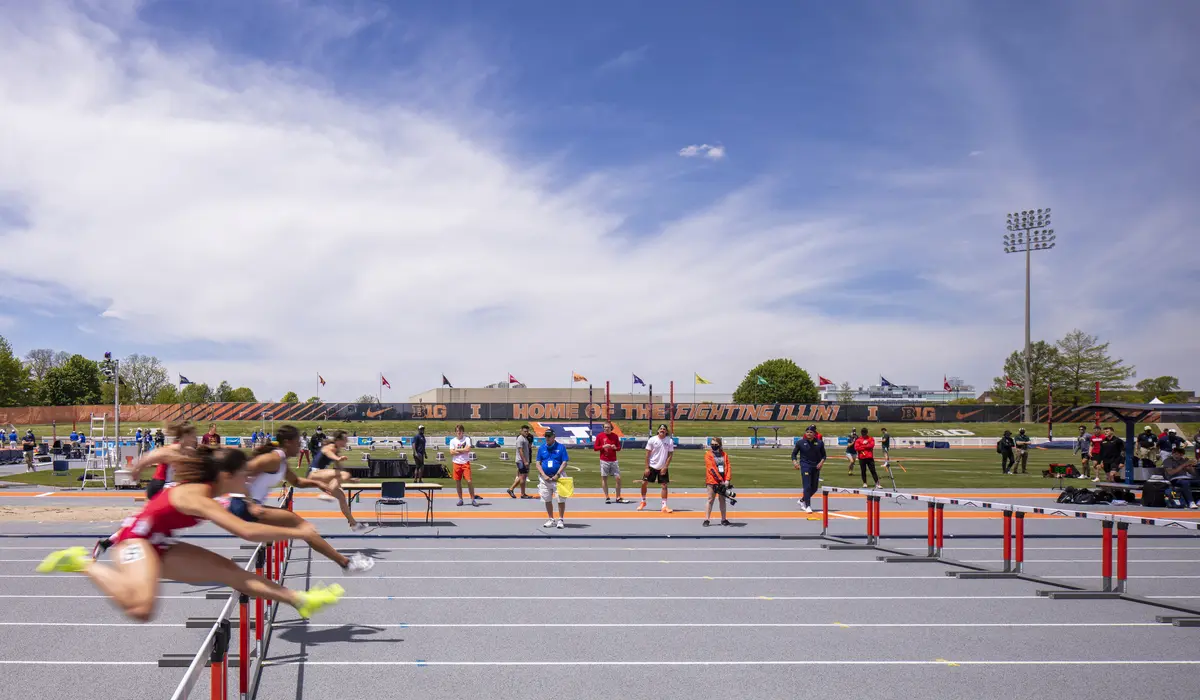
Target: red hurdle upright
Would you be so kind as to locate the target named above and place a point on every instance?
(218, 660)
(824, 512)
(1106, 556)
(1122, 554)
(243, 646)
(260, 563)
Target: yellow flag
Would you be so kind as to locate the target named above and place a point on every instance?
(576, 377)
(702, 380)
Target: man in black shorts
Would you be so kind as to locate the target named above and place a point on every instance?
(419, 454)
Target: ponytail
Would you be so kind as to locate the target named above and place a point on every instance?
(286, 433)
(177, 430)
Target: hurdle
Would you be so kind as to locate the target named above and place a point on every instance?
(1013, 547)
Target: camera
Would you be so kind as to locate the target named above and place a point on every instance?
(727, 492)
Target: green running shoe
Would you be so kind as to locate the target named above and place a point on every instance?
(318, 597)
(72, 560)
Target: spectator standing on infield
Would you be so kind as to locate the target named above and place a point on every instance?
(885, 442)
(460, 456)
(524, 459)
(608, 444)
(1005, 448)
(1094, 455)
(717, 473)
(552, 460)
(850, 453)
(864, 448)
(1147, 448)
(29, 444)
(660, 449)
(419, 456)
(1021, 442)
(211, 438)
(809, 456)
(12, 436)
(1112, 455)
(1083, 448)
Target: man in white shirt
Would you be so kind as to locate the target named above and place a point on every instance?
(460, 456)
(659, 451)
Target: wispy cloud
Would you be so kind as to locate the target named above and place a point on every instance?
(703, 151)
(625, 60)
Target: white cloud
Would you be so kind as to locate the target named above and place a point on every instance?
(349, 238)
(703, 151)
(625, 59)
(975, 154)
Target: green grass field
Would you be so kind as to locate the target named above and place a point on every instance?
(682, 428)
(752, 469)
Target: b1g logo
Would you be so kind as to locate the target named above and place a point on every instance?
(920, 413)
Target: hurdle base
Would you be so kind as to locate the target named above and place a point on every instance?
(1187, 622)
(1080, 595)
(983, 574)
(217, 596)
(185, 660)
(894, 560)
(1170, 619)
(846, 547)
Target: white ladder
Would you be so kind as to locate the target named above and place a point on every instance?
(98, 452)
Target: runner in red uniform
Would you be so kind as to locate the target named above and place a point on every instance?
(184, 436)
(144, 549)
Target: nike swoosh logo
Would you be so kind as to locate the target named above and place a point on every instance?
(957, 416)
(380, 412)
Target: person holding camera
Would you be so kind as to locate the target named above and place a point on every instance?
(716, 477)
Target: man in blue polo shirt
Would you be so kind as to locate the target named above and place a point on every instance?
(809, 456)
(552, 461)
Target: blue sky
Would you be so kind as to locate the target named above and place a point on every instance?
(268, 190)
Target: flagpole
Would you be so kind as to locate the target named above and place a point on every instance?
(694, 375)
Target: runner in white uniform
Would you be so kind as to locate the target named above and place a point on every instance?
(266, 471)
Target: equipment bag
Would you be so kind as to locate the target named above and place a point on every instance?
(1154, 494)
(1084, 498)
(1068, 495)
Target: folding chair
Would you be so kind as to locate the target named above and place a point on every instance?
(391, 494)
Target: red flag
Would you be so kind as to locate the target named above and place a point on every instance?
(1010, 384)
(321, 379)
(512, 379)
(946, 384)
(822, 381)
(383, 380)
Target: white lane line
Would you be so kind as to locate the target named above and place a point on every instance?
(406, 598)
(106, 662)
(1039, 549)
(100, 597)
(843, 515)
(818, 625)
(43, 495)
(89, 624)
(832, 662)
(70, 577)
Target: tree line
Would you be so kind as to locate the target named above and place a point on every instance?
(1071, 367)
(46, 377)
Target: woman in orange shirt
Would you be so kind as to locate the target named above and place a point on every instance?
(716, 477)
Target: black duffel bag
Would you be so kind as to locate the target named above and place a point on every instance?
(1154, 494)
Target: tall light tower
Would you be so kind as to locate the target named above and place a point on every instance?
(1028, 231)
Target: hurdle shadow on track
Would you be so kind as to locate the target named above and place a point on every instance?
(304, 635)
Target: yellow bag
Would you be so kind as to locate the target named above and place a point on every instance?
(566, 487)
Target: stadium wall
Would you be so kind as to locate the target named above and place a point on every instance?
(765, 414)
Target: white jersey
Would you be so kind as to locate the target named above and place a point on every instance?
(659, 449)
(260, 485)
(463, 444)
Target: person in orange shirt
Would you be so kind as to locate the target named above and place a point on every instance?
(716, 476)
(864, 448)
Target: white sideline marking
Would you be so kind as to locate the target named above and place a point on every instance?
(841, 515)
(848, 662)
(90, 624)
(43, 495)
(406, 598)
(70, 577)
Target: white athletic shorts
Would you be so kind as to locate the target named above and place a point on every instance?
(548, 491)
(609, 469)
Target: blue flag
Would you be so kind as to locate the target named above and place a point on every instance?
(184, 380)
(638, 380)
(883, 382)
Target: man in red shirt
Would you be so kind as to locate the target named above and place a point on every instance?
(864, 448)
(1097, 439)
(608, 444)
(211, 437)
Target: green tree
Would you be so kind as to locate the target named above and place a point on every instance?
(845, 394)
(1043, 368)
(76, 382)
(167, 394)
(367, 398)
(106, 394)
(223, 392)
(1164, 388)
(290, 397)
(1083, 361)
(142, 376)
(313, 399)
(786, 382)
(42, 360)
(15, 384)
(242, 394)
(196, 393)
